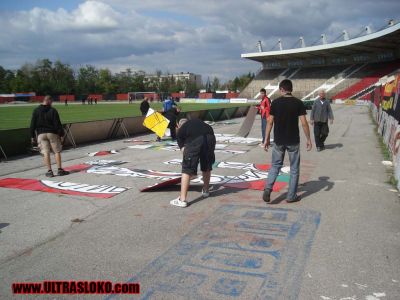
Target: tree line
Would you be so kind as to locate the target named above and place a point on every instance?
(56, 78)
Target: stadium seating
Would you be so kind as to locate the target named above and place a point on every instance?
(262, 79)
(310, 79)
(365, 79)
(340, 82)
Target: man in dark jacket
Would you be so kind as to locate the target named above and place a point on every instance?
(172, 116)
(197, 141)
(320, 113)
(47, 126)
(144, 106)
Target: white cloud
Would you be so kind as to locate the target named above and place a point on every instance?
(205, 37)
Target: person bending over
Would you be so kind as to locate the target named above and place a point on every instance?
(197, 141)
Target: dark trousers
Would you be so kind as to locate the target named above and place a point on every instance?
(172, 128)
(263, 127)
(321, 131)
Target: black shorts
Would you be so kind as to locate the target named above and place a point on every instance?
(200, 150)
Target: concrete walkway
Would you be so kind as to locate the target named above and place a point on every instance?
(342, 241)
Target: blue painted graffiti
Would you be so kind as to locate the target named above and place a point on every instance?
(229, 287)
(241, 252)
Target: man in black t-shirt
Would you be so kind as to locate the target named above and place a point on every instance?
(197, 140)
(284, 117)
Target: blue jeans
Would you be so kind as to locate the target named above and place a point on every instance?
(278, 155)
(263, 127)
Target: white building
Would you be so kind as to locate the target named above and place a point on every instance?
(184, 77)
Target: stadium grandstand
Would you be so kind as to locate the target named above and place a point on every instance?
(345, 69)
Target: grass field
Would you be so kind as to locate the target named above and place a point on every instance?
(12, 117)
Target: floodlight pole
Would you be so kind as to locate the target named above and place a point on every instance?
(259, 46)
(302, 42)
(345, 35)
(323, 39)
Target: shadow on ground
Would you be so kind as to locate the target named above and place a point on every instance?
(308, 188)
(2, 225)
(333, 146)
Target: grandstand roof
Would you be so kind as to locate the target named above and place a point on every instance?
(387, 39)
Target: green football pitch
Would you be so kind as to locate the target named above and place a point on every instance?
(19, 116)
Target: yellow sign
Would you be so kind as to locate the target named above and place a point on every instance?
(350, 102)
(156, 122)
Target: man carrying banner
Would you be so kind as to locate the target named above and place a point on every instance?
(197, 141)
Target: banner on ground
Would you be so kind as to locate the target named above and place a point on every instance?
(60, 187)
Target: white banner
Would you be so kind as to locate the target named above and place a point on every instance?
(238, 100)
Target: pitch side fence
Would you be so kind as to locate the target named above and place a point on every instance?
(17, 141)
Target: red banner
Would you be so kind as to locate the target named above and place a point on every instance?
(68, 188)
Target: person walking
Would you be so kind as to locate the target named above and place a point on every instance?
(284, 118)
(197, 141)
(47, 126)
(264, 109)
(320, 114)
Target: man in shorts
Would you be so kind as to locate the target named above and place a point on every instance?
(47, 126)
(197, 141)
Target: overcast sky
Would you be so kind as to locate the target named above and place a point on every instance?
(204, 37)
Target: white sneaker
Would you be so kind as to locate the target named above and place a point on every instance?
(178, 202)
(205, 194)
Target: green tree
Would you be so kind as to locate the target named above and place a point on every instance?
(215, 84)
(42, 77)
(63, 78)
(124, 81)
(166, 84)
(138, 82)
(6, 80)
(105, 82)
(86, 79)
(23, 80)
(178, 86)
(191, 89)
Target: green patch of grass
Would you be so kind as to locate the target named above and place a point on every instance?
(385, 153)
(12, 117)
(392, 180)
